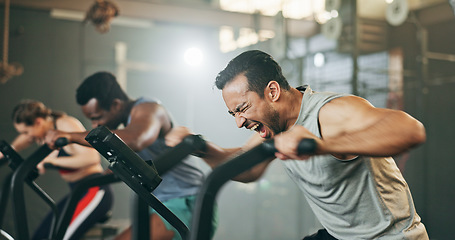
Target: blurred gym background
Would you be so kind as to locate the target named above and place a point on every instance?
(395, 53)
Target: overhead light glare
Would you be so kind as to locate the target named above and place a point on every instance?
(295, 9)
(193, 56)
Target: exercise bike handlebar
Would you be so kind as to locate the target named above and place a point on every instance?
(52, 166)
(14, 159)
(25, 173)
(203, 210)
(141, 177)
(172, 156)
(45, 150)
(61, 142)
(3, 161)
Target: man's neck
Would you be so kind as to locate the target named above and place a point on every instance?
(291, 106)
(126, 111)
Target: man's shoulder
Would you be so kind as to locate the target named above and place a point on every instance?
(142, 100)
(147, 105)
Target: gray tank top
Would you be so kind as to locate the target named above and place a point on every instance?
(362, 198)
(182, 180)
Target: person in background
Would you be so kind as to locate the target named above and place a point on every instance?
(145, 123)
(33, 120)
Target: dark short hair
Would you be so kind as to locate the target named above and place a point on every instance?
(102, 86)
(27, 111)
(259, 68)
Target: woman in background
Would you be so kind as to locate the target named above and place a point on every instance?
(33, 120)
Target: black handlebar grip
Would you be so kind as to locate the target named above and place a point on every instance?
(52, 166)
(61, 142)
(49, 166)
(307, 145)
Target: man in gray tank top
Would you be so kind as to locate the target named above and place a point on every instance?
(351, 183)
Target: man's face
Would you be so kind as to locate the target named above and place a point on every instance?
(249, 109)
(99, 116)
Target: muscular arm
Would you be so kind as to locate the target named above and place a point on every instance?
(21, 142)
(148, 121)
(352, 126)
(216, 155)
(258, 170)
(80, 156)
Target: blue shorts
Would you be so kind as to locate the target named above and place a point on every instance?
(183, 209)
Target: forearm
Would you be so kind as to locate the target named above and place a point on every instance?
(21, 142)
(215, 155)
(77, 137)
(76, 161)
(389, 136)
(76, 157)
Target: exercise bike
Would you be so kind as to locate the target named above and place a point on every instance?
(205, 200)
(4, 235)
(143, 176)
(23, 168)
(14, 185)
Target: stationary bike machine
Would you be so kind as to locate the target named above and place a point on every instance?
(23, 168)
(205, 201)
(4, 199)
(80, 189)
(22, 173)
(141, 176)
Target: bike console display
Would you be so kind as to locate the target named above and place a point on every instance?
(123, 160)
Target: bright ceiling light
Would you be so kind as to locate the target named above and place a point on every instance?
(319, 60)
(193, 56)
(296, 9)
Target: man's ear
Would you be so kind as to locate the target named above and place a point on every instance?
(272, 91)
(116, 105)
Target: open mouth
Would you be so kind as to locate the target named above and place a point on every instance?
(260, 128)
(253, 128)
